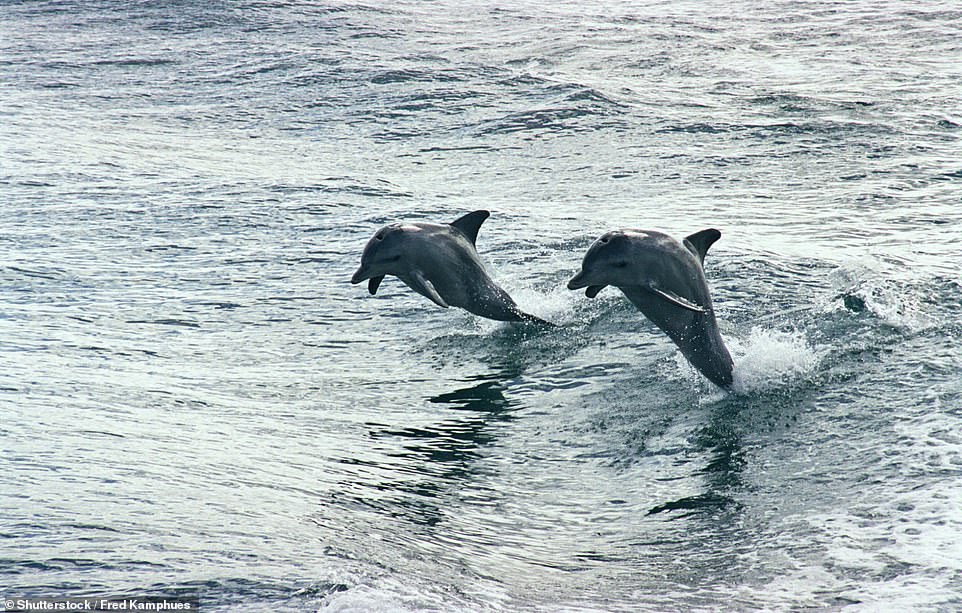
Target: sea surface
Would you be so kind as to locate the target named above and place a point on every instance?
(196, 402)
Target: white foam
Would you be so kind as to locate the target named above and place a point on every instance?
(556, 306)
(396, 594)
(881, 293)
(770, 359)
(368, 599)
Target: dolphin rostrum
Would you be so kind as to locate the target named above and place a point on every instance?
(665, 280)
(440, 262)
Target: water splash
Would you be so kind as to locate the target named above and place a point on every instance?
(770, 359)
(391, 595)
(557, 306)
(860, 288)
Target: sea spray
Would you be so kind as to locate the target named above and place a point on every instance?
(770, 359)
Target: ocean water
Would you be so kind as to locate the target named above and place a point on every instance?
(195, 402)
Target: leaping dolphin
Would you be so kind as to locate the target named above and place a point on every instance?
(665, 280)
(440, 262)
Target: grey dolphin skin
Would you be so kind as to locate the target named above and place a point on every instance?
(665, 280)
(440, 262)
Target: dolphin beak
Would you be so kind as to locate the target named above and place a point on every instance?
(361, 274)
(578, 281)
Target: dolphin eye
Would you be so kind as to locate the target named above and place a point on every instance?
(621, 264)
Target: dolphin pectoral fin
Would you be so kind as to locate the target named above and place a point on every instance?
(675, 299)
(470, 224)
(421, 285)
(593, 290)
(699, 242)
(373, 284)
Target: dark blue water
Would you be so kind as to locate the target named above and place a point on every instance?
(194, 401)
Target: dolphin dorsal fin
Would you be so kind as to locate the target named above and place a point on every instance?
(470, 224)
(699, 242)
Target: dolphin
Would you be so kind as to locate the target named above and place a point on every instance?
(665, 280)
(440, 262)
